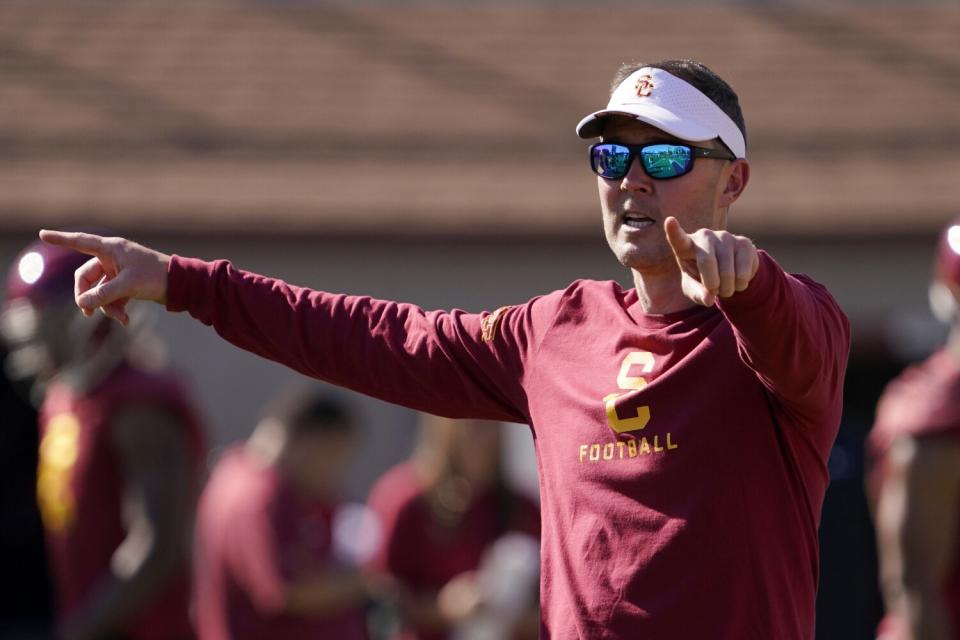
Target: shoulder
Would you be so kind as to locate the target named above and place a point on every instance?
(579, 295)
(771, 273)
(236, 484)
(580, 290)
(128, 384)
(396, 491)
(132, 394)
(923, 400)
(910, 388)
(819, 291)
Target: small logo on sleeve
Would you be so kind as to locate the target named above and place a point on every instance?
(489, 324)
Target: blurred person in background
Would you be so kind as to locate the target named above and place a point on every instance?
(915, 479)
(269, 561)
(26, 605)
(446, 518)
(119, 458)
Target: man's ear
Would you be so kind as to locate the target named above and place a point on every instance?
(737, 176)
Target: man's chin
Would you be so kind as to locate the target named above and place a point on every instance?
(647, 263)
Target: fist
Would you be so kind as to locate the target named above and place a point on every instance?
(712, 263)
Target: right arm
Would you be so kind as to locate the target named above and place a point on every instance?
(433, 361)
(436, 362)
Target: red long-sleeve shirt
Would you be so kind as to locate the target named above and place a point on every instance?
(681, 456)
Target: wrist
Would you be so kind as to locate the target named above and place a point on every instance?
(162, 276)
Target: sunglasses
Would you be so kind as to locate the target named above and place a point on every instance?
(660, 161)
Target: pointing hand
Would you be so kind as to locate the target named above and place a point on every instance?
(120, 270)
(712, 263)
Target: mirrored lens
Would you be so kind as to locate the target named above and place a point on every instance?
(664, 161)
(611, 161)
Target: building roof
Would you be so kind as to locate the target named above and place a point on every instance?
(306, 118)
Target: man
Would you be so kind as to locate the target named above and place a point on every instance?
(681, 426)
(119, 463)
(451, 503)
(266, 559)
(915, 480)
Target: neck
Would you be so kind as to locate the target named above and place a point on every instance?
(659, 291)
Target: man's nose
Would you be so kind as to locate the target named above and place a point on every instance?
(636, 178)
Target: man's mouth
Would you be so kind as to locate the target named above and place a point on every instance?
(637, 220)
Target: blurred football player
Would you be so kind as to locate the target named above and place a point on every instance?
(915, 480)
(269, 564)
(451, 537)
(119, 461)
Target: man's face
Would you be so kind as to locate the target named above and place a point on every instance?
(635, 206)
(317, 461)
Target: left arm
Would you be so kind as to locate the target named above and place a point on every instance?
(789, 329)
(159, 497)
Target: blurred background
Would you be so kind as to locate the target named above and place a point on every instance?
(425, 152)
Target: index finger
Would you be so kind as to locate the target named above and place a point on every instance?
(88, 243)
(678, 239)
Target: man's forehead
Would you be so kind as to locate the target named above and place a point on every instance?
(624, 126)
(632, 131)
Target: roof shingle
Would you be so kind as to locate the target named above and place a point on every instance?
(293, 117)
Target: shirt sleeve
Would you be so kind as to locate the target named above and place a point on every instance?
(454, 364)
(794, 335)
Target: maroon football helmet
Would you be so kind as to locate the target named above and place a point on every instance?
(40, 323)
(945, 288)
(948, 256)
(43, 273)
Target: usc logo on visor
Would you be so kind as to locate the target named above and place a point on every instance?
(644, 86)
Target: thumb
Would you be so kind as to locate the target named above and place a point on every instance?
(678, 239)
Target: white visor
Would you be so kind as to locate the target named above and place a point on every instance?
(670, 104)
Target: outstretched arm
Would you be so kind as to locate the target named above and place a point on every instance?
(454, 364)
(789, 329)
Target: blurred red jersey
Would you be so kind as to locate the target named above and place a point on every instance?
(255, 534)
(424, 554)
(682, 456)
(923, 402)
(80, 490)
